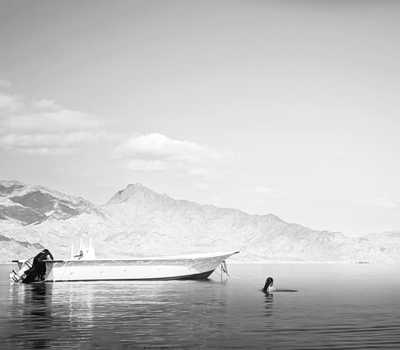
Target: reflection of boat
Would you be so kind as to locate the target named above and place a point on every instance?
(196, 266)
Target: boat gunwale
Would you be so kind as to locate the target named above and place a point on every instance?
(138, 259)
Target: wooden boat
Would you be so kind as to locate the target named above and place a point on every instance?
(184, 267)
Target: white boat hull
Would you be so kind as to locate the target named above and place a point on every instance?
(171, 268)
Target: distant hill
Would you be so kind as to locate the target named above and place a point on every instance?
(159, 223)
(26, 204)
(137, 221)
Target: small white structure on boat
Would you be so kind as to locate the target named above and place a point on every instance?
(86, 252)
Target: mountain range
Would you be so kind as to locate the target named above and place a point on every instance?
(138, 221)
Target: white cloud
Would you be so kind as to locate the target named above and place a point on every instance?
(56, 143)
(55, 122)
(48, 129)
(9, 103)
(158, 152)
(46, 104)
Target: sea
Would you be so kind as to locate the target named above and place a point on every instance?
(336, 306)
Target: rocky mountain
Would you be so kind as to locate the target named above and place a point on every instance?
(179, 225)
(137, 221)
(25, 204)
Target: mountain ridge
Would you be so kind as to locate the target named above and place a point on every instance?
(138, 187)
(32, 204)
(137, 221)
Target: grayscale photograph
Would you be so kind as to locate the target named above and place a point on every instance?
(180, 174)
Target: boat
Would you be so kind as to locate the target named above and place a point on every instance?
(79, 268)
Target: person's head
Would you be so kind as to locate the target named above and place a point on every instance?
(269, 282)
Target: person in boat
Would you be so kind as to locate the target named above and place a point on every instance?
(40, 265)
(80, 255)
(38, 270)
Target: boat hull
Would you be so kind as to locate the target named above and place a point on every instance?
(173, 268)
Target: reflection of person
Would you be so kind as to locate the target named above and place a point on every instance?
(38, 316)
(269, 303)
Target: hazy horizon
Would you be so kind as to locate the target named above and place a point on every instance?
(285, 107)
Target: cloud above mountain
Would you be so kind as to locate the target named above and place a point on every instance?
(46, 104)
(55, 132)
(45, 127)
(9, 103)
(159, 152)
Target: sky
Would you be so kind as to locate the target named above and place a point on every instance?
(283, 107)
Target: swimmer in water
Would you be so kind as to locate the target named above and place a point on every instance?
(269, 287)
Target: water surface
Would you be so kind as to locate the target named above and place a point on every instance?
(337, 307)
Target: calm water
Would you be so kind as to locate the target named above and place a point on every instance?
(337, 307)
